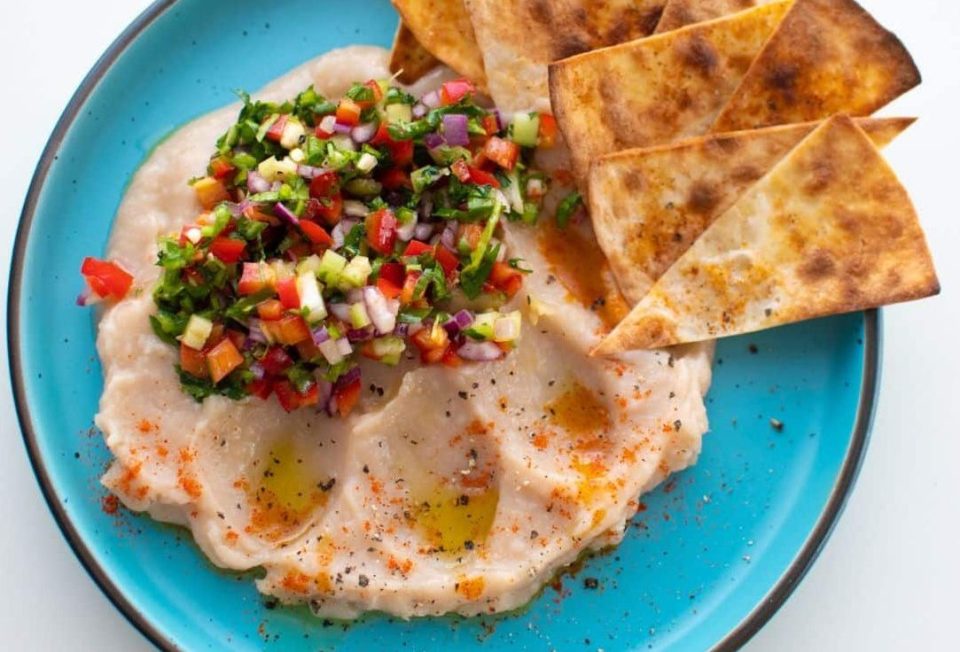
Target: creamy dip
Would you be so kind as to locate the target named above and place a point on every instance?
(447, 490)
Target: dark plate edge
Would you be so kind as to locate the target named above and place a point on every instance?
(739, 636)
(813, 546)
(80, 549)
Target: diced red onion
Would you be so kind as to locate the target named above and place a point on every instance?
(339, 310)
(355, 295)
(336, 233)
(455, 129)
(325, 389)
(343, 344)
(363, 133)
(256, 332)
(275, 186)
(458, 322)
(355, 208)
(401, 329)
(383, 312)
(328, 123)
(431, 100)
(286, 214)
(449, 236)
(433, 141)
(319, 335)
(342, 129)
(413, 329)
(348, 224)
(257, 370)
(480, 351)
(310, 172)
(423, 231)
(419, 110)
(405, 233)
(331, 352)
(236, 210)
(257, 183)
(360, 334)
(348, 377)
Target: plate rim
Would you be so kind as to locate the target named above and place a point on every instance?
(758, 616)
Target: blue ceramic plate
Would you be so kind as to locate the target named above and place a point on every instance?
(714, 554)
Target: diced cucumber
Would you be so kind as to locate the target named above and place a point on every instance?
(507, 327)
(399, 113)
(482, 326)
(388, 349)
(331, 267)
(311, 300)
(273, 170)
(358, 316)
(367, 162)
(363, 187)
(355, 274)
(311, 263)
(525, 129)
(197, 331)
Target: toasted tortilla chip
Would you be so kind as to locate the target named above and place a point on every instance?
(520, 37)
(649, 206)
(444, 29)
(827, 56)
(655, 90)
(680, 13)
(409, 60)
(829, 230)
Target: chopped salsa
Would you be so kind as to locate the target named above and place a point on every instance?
(332, 231)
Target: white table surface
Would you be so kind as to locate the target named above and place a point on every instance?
(887, 580)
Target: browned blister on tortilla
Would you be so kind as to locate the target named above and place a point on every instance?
(409, 60)
(658, 89)
(680, 13)
(827, 57)
(649, 206)
(829, 230)
(520, 37)
(444, 29)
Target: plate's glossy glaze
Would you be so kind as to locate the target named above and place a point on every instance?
(714, 554)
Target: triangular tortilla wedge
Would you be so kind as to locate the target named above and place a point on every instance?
(658, 89)
(409, 60)
(648, 206)
(443, 27)
(827, 56)
(520, 37)
(680, 13)
(829, 230)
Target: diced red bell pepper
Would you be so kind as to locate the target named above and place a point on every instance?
(324, 184)
(290, 399)
(289, 330)
(548, 130)
(287, 291)
(256, 277)
(275, 132)
(348, 112)
(377, 95)
(346, 396)
(221, 168)
(451, 358)
(401, 152)
(276, 361)
(482, 178)
(329, 209)
(390, 279)
(415, 248)
(315, 233)
(210, 192)
(223, 359)
(502, 152)
(395, 178)
(308, 349)
(193, 362)
(236, 337)
(447, 259)
(455, 90)
(506, 279)
(382, 231)
(432, 343)
(228, 250)
(409, 285)
(491, 125)
(270, 310)
(261, 388)
(106, 278)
